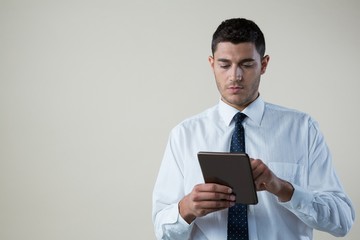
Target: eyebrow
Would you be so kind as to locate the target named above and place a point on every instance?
(242, 61)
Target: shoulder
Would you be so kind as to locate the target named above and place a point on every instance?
(278, 112)
(200, 120)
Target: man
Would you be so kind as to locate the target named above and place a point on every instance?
(298, 189)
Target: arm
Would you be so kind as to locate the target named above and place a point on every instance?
(174, 212)
(167, 193)
(322, 203)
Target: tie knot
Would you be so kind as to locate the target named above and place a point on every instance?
(239, 117)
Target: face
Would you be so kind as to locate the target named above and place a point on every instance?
(237, 69)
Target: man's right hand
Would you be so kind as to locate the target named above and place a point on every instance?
(204, 199)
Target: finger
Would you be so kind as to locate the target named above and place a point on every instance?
(255, 163)
(258, 168)
(204, 207)
(212, 196)
(213, 187)
(214, 204)
(261, 174)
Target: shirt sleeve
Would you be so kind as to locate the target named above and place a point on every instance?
(168, 191)
(322, 204)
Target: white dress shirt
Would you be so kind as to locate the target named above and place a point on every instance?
(288, 141)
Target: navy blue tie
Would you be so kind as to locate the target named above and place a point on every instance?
(237, 219)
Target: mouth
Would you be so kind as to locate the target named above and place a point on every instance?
(235, 88)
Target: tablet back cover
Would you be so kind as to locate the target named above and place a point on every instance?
(230, 169)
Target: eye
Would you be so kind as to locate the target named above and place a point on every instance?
(224, 66)
(248, 64)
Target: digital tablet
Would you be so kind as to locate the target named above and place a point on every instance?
(232, 170)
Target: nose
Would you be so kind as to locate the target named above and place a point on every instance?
(236, 74)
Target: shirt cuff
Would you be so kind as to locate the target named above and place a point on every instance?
(183, 222)
(177, 227)
(300, 200)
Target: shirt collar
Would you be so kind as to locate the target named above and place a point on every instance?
(254, 111)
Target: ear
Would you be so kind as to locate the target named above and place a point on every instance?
(211, 61)
(264, 63)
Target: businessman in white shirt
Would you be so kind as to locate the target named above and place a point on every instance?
(298, 189)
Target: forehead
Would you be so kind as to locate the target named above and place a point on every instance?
(236, 52)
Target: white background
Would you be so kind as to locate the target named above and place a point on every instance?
(89, 91)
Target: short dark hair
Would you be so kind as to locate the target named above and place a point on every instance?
(239, 30)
